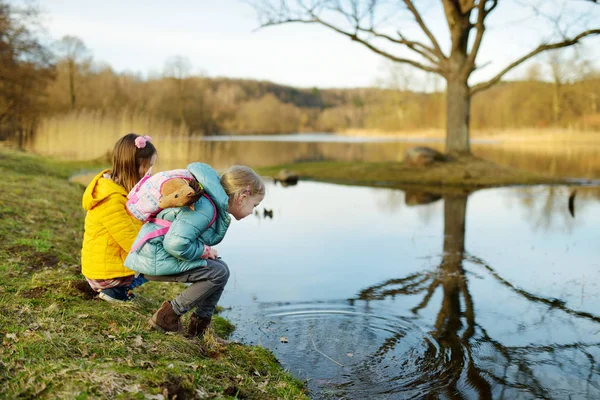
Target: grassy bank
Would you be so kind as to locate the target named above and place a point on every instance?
(59, 341)
(467, 173)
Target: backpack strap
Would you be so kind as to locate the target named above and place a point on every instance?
(215, 209)
(156, 233)
(133, 196)
(165, 225)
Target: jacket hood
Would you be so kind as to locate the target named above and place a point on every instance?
(99, 189)
(211, 182)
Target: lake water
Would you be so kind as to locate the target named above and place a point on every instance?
(378, 293)
(494, 295)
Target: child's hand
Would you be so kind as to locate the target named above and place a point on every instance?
(213, 253)
(210, 252)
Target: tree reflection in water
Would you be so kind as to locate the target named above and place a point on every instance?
(502, 371)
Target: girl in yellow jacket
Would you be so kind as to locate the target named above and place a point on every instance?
(109, 228)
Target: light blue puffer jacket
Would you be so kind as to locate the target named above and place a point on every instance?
(180, 249)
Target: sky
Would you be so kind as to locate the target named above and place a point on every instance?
(220, 38)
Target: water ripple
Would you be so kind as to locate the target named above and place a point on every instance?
(354, 352)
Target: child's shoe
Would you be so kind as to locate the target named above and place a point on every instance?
(116, 294)
(165, 319)
(138, 281)
(199, 326)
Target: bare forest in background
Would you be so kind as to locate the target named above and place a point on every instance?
(60, 86)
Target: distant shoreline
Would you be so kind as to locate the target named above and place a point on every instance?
(503, 135)
(433, 136)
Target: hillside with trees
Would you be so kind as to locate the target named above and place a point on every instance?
(63, 81)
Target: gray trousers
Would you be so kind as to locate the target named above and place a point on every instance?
(205, 289)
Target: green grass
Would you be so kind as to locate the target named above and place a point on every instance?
(58, 341)
(464, 173)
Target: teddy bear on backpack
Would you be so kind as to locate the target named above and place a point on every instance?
(174, 188)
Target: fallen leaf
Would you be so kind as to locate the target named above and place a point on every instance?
(81, 316)
(132, 389)
(39, 388)
(13, 337)
(350, 354)
(154, 396)
(138, 341)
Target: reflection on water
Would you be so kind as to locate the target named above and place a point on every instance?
(492, 295)
(564, 160)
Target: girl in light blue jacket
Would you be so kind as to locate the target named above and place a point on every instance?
(185, 253)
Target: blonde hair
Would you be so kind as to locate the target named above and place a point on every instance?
(240, 179)
(127, 159)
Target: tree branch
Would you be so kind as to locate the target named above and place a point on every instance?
(435, 69)
(430, 291)
(423, 50)
(482, 14)
(434, 42)
(541, 48)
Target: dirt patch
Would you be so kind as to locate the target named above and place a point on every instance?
(33, 293)
(19, 248)
(74, 269)
(173, 389)
(234, 391)
(83, 289)
(40, 260)
(33, 260)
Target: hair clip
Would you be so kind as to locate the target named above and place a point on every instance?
(140, 141)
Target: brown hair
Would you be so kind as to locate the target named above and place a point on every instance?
(127, 159)
(239, 179)
(198, 192)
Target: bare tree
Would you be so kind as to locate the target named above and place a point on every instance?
(178, 68)
(25, 70)
(368, 22)
(74, 52)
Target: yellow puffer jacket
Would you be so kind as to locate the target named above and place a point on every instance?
(109, 230)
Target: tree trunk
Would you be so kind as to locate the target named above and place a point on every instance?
(458, 107)
(72, 83)
(21, 139)
(556, 103)
(455, 211)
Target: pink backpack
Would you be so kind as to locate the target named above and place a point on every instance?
(143, 200)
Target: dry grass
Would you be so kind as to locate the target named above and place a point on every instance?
(90, 133)
(507, 136)
(549, 136)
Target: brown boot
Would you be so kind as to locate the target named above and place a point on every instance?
(165, 319)
(198, 327)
